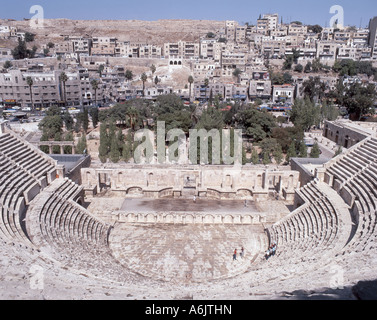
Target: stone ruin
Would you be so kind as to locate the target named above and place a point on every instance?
(58, 242)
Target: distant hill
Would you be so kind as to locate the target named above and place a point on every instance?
(154, 32)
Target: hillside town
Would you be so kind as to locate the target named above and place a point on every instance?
(267, 63)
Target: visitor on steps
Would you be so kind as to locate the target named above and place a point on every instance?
(235, 254)
(242, 252)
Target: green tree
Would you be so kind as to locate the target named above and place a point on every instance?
(266, 158)
(254, 156)
(236, 73)
(8, 64)
(22, 52)
(303, 151)
(129, 75)
(58, 137)
(315, 151)
(29, 37)
(127, 148)
(68, 137)
(359, 100)
(133, 116)
(244, 156)
(299, 68)
(68, 120)
(94, 113)
(256, 124)
(153, 70)
(114, 154)
(51, 125)
(287, 65)
(170, 108)
(305, 113)
(308, 67)
(315, 28)
(104, 145)
(291, 152)
(270, 147)
(329, 112)
(278, 154)
(85, 119)
(314, 89)
(82, 145)
(100, 69)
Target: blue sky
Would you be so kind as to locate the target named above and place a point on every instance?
(309, 12)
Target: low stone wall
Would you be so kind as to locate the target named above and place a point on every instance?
(188, 218)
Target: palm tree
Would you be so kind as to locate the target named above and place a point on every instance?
(94, 84)
(190, 81)
(133, 116)
(64, 78)
(30, 83)
(144, 78)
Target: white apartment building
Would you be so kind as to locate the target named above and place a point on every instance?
(181, 49)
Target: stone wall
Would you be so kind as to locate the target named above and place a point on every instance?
(346, 133)
(173, 218)
(215, 182)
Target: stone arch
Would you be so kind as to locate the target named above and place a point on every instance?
(228, 219)
(169, 218)
(247, 220)
(209, 219)
(189, 219)
(212, 193)
(134, 190)
(166, 193)
(244, 193)
(131, 217)
(151, 217)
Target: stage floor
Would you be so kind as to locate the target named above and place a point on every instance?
(189, 205)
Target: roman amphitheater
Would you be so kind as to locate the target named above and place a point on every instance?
(137, 232)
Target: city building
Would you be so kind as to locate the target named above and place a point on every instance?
(260, 85)
(283, 93)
